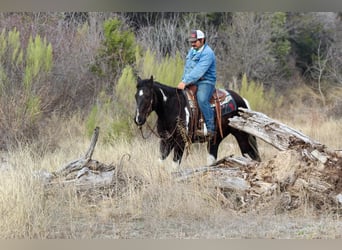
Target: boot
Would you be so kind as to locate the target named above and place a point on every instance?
(209, 134)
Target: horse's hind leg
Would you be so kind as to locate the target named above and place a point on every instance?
(247, 144)
(254, 153)
(213, 150)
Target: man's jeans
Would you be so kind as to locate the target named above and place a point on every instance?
(204, 93)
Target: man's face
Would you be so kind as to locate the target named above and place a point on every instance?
(197, 44)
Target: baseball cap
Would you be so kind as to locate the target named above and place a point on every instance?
(196, 34)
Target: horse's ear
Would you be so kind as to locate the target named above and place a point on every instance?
(150, 82)
(138, 81)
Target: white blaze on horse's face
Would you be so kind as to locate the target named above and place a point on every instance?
(141, 93)
(137, 116)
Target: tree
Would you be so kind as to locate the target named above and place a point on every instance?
(310, 33)
(118, 50)
(248, 46)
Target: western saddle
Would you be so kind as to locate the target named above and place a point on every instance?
(197, 120)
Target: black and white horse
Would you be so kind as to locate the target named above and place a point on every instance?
(171, 107)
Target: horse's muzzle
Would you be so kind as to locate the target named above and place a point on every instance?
(139, 121)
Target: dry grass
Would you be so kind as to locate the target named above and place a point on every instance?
(161, 209)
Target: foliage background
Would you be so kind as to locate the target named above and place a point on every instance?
(62, 64)
(64, 73)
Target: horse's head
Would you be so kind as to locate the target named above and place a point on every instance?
(144, 100)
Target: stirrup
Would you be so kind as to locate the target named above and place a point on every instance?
(209, 134)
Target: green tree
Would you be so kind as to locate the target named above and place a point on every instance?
(280, 41)
(309, 33)
(118, 50)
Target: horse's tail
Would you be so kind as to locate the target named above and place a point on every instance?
(254, 145)
(252, 139)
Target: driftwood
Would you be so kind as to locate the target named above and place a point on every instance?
(85, 161)
(87, 174)
(273, 132)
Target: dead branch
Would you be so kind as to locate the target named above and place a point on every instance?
(271, 131)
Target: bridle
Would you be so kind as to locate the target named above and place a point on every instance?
(149, 111)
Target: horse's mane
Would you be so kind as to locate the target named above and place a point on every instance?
(172, 91)
(155, 84)
(163, 86)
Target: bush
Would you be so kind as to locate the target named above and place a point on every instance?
(118, 50)
(259, 99)
(168, 70)
(114, 119)
(20, 100)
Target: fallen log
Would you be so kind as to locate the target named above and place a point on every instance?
(271, 131)
(284, 137)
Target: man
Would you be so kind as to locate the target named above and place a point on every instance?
(200, 69)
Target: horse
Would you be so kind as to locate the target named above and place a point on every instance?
(173, 120)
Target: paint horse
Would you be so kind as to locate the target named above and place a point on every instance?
(177, 120)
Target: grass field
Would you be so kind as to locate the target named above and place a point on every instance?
(163, 209)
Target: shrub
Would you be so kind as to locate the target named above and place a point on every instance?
(125, 89)
(118, 50)
(168, 70)
(259, 99)
(113, 119)
(20, 100)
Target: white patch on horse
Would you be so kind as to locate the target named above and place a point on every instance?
(141, 92)
(164, 96)
(136, 116)
(210, 159)
(247, 103)
(187, 118)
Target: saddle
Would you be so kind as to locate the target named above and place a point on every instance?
(219, 97)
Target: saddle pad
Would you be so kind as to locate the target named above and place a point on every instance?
(227, 105)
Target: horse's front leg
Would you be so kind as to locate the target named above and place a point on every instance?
(178, 152)
(165, 148)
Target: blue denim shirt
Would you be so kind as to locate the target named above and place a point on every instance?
(200, 66)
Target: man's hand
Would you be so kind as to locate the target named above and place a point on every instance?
(181, 85)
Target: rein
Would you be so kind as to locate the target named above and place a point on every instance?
(151, 129)
(170, 135)
(149, 110)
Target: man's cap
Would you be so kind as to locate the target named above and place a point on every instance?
(196, 34)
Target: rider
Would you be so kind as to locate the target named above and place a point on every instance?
(200, 69)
